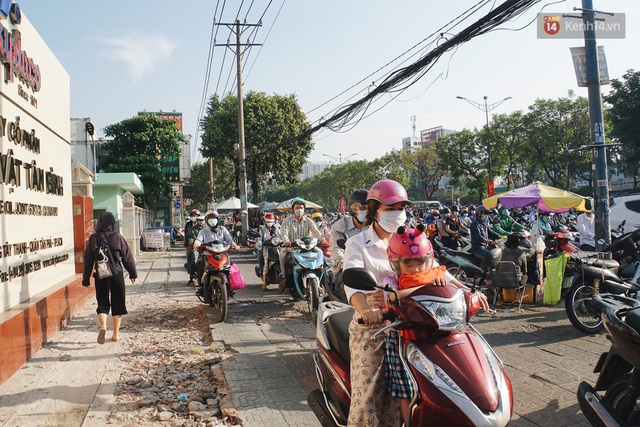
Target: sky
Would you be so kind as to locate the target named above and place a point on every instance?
(129, 56)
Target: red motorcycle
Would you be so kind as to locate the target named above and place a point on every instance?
(215, 266)
(457, 378)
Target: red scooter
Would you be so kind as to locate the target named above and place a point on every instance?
(457, 378)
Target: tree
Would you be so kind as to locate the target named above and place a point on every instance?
(624, 116)
(272, 125)
(223, 189)
(462, 154)
(555, 129)
(511, 153)
(426, 170)
(138, 145)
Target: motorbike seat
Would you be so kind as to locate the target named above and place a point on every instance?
(633, 319)
(338, 333)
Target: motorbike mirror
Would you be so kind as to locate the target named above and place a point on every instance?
(360, 279)
(342, 243)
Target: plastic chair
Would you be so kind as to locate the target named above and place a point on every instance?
(506, 277)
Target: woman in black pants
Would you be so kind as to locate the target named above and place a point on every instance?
(110, 291)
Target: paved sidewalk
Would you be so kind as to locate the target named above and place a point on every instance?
(71, 381)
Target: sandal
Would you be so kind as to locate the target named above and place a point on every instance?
(101, 336)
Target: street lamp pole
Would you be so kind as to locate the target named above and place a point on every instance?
(339, 159)
(486, 107)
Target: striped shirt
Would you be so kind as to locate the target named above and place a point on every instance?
(291, 229)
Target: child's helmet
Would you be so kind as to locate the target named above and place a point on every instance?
(409, 243)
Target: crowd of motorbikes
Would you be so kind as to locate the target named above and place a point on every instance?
(604, 293)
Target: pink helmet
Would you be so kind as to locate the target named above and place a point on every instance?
(408, 243)
(388, 192)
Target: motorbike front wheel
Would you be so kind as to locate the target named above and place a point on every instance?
(582, 310)
(312, 298)
(615, 395)
(218, 300)
(458, 273)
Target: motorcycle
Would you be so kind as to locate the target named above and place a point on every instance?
(619, 368)
(272, 263)
(593, 275)
(253, 235)
(309, 272)
(214, 281)
(457, 378)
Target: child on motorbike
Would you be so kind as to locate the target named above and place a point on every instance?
(410, 254)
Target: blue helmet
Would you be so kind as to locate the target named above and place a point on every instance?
(299, 201)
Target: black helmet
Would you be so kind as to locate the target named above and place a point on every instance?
(455, 208)
(446, 210)
(493, 211)
(359, 196)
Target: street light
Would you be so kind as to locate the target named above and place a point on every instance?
(339, 159)
(486, 108)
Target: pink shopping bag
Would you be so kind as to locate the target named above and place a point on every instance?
(236, 281)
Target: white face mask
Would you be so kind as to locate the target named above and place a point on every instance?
(193, 218)
(391, 220)
(213, 222)
(362, 216)
(299, 212)
(269, 223)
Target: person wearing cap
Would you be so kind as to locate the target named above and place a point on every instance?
(268, 230)
(322, 225)
(295, 227)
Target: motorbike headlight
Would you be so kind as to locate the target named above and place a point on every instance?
(431, 371)
(451, 315)
(275, 241)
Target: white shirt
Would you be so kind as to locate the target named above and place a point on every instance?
(344, 228)
(366, 250)
(586, 229)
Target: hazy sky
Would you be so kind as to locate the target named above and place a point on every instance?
(128, 56)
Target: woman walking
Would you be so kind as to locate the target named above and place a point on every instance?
(110, 291)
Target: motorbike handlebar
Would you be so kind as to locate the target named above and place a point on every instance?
(385, 316)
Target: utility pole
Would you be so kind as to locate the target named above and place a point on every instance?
(596, 127)
(242, 157)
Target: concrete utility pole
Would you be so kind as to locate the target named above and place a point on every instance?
(241, 146)
(596, 127)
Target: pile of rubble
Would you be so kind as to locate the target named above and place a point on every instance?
(170, 372)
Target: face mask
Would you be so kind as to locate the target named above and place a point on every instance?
(465, 215)
(485, 218)
(318, 223)
(212, 222)
(193, 218)
(545, 219)
(391, 220)
(270, 223)
(447, 215)
(362, 216)
(299, 212)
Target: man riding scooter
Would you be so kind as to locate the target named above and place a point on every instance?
(294, 227)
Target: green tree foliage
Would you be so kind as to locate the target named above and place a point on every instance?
(271, 126)
(224, 184)
(426, 171)
(554, 129)
(510, 155)
(624, 116)
(138, 145)
(464, 157)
